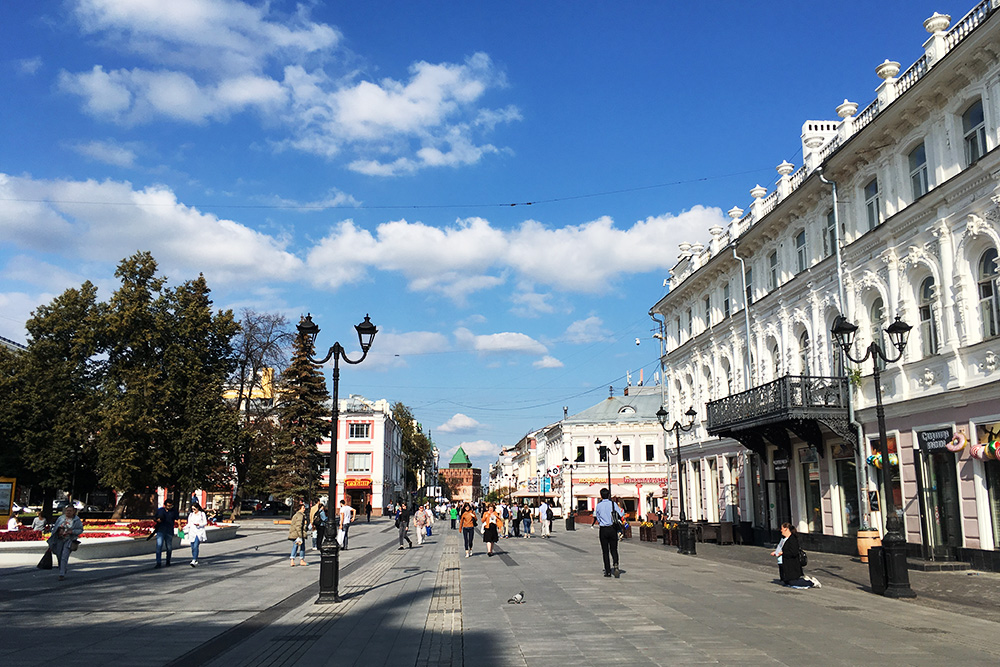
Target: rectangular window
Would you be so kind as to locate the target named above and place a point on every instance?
(689, 322)
(830, 235)
(650, 452)
(708, 311)
(801, 258)
(872, 207)
(359, 431)
(626, 452)
(748, 277)
(725, 301)
(580, 453)
(602, 453)
(974, 129)
(358, 463)
(772, 271)
(918, 171)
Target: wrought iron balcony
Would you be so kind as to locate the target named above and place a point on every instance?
(798, 403)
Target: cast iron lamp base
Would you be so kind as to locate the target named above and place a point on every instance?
(329, 572)
(896, 570)
(685, 539)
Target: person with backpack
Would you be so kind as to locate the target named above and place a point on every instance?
(543, 518)
(608, 516)
(317, 518)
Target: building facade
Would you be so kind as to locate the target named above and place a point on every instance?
(369, 455)
(894, 213)
(463, 481)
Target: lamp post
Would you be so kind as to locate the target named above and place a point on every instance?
(606, 452)
(894, 542)
(685, 538)
(571, 506)
(329, 569)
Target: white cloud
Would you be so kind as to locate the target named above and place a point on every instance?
(529, 303)
(16, 307)
(209, 59)
(29, 66)
(459, 423)
(548, 362)
(109, 220)
(474, 448)
(499, 343)
(590, 330)
(392, 349)
(108, 152)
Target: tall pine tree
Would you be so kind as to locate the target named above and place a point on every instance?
(304, 417)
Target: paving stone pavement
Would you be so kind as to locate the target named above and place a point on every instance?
(428, 606)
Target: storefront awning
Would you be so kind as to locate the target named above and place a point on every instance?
(533, 494)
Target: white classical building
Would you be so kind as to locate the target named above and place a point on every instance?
(894, 213)
(369, 455)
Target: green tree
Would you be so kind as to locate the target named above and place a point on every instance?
(48, 414)
(260, 349)
(163, 421)
(415, 444)
(304, 420)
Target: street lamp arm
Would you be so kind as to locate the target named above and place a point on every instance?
(861, 360)
(337, 351)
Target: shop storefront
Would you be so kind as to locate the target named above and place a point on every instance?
(358, 493)
(937, 484)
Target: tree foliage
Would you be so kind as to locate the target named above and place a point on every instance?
(415, 444)
(304, 419)
(260, 349)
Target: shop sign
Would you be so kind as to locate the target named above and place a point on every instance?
(808, 455)
(934, 441)
(661, 481)
(357, 484)
(782, 463)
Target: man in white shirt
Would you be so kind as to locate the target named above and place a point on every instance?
(347, 514)
(543, 518)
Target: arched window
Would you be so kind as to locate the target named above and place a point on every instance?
(989, 307)
(877, 315)
(727, 371)
(974, 131)
(928, 328)
(804, 365)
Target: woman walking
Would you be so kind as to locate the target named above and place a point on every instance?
(525, 516)
(297, 534)
(420, 521)
(491, 523)
(195, 530)
(468, 524)
(403, 524)
(65, 532)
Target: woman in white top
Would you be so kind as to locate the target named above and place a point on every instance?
(195, 530)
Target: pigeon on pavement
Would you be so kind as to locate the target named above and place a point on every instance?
(517, 599)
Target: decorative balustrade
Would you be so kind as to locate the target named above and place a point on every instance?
(911, 75)
(792, 396)
(968, 23)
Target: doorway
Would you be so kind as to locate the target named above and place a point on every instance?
(943, 514)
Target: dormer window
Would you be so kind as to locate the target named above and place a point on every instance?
(626, 410)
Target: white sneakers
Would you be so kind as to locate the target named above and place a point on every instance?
(194, 563)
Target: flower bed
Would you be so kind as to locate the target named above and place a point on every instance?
(21, 535)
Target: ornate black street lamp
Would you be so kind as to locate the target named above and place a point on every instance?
(571, 513)
(685, 538)
(894, 542)
(606, 453)
(329, 569)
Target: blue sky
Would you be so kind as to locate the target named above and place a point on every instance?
(378, 157)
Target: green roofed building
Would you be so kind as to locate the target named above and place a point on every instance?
(460, 460)
(464, 482)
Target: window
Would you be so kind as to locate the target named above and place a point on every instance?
(708, 311)
(690, 320)
(877, 314)
(680, 332)
(830, 235)
(748, 277)
(804, 365)
(772, 271)
(359, 431)
(602, 453)
(626, 452)
(650, 452)
(928, 330)
(776, 358)
(725, 301)
(357, 463)
(580, 454)
(974, 129)
(918, 171)
(801, 259)
(989, 306)
(872, 208)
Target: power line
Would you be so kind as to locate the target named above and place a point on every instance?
(323, 207)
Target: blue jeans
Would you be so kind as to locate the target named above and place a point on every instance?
(164, 540)
(527, 527)
(194, 547)
(469, 534)
(299, 549)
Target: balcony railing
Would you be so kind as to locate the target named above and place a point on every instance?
(790, 397)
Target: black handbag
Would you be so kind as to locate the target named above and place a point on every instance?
(46, 562)
(803, 558)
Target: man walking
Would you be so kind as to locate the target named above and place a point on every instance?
(453, 514)
(543, 518)
(403, 523)
(604, 516)
(368, 511)
(165, 519)
(347, 514)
